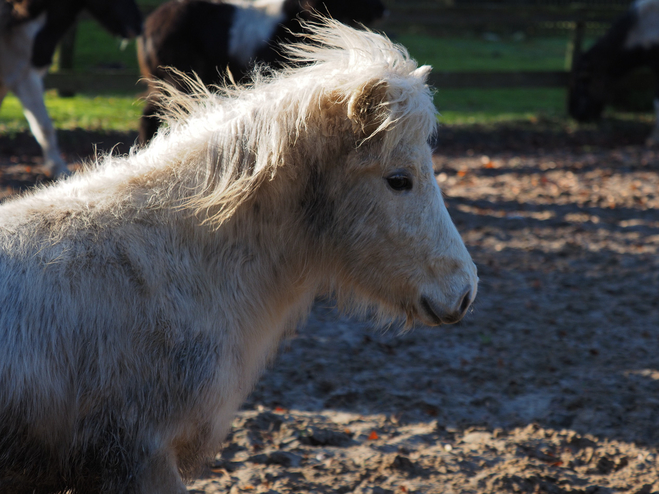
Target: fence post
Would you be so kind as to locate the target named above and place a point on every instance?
(66, 56)
(576, 43)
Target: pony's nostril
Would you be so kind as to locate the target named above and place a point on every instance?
(465, 302)
(438, 315)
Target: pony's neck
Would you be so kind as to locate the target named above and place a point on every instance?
(266, 274)
(269, 237)
(267, 247)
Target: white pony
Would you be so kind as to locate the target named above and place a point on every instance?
(141, 299)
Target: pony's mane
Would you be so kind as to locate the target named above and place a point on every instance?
(246, 132)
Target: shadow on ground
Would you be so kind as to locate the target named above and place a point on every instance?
(551, 384)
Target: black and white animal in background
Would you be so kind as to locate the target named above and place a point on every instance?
(207, 37)
(29, 33)
(632, 42)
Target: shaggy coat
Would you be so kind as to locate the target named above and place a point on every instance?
(141, 299)
(209, 38)
(29, 33)
(632, 42)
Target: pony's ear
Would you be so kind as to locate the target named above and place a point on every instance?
(367, 108)
(422, 72)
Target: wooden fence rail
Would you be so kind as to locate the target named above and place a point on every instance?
(70, 82)
(110, 82)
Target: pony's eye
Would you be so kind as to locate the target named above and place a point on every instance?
(399, 181)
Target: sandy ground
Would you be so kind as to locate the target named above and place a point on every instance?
(549, 385)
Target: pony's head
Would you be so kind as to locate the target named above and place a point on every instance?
(338, 145)
(375, 205)
(121, 17)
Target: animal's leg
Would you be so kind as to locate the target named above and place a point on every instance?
(3, 92)
(653, 139)
(160, 476)
(30, 92)
(149, 121)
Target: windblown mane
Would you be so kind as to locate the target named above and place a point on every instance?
(246, 133)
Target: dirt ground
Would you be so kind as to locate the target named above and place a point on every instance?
(549, 385)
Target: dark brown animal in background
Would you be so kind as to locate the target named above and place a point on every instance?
(631, 42)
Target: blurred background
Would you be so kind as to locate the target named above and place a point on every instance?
(493, 60)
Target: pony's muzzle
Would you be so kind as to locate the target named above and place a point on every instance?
(447, 316)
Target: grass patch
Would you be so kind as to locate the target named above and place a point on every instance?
(97, 49)
(477, 55)
(462, 106)
(120, 113)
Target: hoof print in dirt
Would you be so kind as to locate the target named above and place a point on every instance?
(283, 458)
(315, 436)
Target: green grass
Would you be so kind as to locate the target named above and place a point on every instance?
(466, 106)
(478, 55)
(97, 49)
(119, 113)
(475, 54)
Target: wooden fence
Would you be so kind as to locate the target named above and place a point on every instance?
(578, 18)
